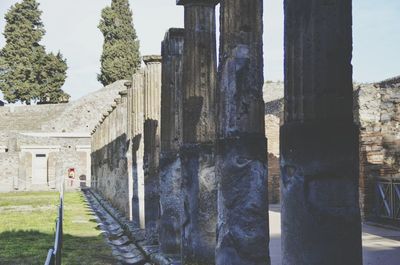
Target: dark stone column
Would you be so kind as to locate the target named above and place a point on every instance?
(241, 167)
(171, 140)
(197, 153)
(152, 110)
(319, 142)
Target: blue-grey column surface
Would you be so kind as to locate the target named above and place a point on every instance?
(197, 153)
(319, 143)
(241, 166)
(171, 205)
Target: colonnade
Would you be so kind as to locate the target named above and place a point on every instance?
(196, 152)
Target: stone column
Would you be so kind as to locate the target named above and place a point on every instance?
(129, 151)
(241, 167)
(138, 148)
(197, 152)
(171, 140)
(152, 110)
(319, 142)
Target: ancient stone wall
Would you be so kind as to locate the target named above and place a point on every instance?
(83, 114)
(272, 133)
(28, 118)
(125, 147)
(57, 132)
(273, 98)
(9, 170)
(109, 155)
(378, 114)
(376, 110)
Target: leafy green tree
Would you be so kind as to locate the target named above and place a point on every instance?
(52, 77)
(121, 57)
(27, 73)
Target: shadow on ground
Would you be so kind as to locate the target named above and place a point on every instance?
(31, 247)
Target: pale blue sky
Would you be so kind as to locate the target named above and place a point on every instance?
(71, 27)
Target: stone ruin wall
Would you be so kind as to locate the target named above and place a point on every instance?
(8, 167)
(378, 114)
(83, 114)
(273, 98)
(376, 111)
(109, 155)
(16, 164)
(64, 128)
(28, 118)
(117, 161)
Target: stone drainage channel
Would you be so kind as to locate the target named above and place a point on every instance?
(128, 243)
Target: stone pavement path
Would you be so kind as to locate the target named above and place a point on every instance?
(123, 249)
(381, 246)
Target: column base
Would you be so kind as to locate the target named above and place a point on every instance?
(243, 232)
(200, 204)
(321, 222)
(171, 205)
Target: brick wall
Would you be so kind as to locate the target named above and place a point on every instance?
(378, 114)
(272, 124)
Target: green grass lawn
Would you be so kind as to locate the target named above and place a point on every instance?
(27, 226)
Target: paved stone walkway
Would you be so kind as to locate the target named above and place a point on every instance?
(380, 246)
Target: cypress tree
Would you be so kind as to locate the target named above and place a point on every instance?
(120, 57)
(52, 76)
(27, 73)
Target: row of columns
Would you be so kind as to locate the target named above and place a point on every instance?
(225, 224)
(108, 145)
(223, 136)
(200, 179)
(144, 120)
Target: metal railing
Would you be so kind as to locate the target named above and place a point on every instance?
(389, 198)
(54, 253)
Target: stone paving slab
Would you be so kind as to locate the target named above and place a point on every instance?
(143, 242)
(381, 246)
(122, 247)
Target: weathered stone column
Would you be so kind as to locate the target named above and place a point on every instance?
(243, 233)
(152, 110)
(138, 148)
(319, 142)
(129, 151)
(197, 153)
(171, 140)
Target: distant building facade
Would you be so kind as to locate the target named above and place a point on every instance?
(43, 145)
